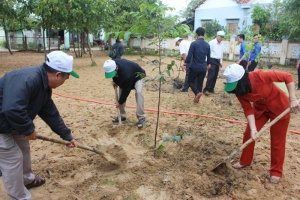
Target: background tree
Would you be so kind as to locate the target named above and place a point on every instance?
(87, 17)
(211, 28)
(290, 19)
(13, 16)
(80, 16)
(261, 17)
(188, 12)
(274, 31)
(119, 18)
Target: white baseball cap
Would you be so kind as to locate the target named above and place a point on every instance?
(177, 39)
(110, 68)
(233, 73)
(221, 33)
(62, 62)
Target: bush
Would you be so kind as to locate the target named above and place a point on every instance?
(33, 45)
(3, 44)
(211, 28)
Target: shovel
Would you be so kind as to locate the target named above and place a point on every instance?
(175, 84)
(103, 154)
(222, 165)
(118, 109)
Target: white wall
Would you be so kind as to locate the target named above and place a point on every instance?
(2, 34)
(225, 10)
(231, 49)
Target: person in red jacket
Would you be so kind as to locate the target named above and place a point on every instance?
(262, 100)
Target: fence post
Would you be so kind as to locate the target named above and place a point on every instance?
(231, 48)
(283, 52)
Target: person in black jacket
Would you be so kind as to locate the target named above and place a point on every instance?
(25, 93)
(199, 57)
(118, 48)
(127, 75)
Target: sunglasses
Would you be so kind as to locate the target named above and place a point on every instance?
(221, 36)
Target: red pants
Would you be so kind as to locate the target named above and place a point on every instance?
(278, 138)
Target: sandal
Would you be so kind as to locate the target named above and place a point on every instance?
(116, 119)
(197, 97)
(237, 165)
(274, 179)
(38, 181)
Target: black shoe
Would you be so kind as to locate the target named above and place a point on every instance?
(182, 90)
(116, 119)
(141, 122)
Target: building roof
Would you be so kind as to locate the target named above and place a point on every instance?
(202, 1)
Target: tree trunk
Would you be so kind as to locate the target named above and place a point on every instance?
(44, 43)
(74, 46)
(79, 45)
(7, 39)
(49, 44)
(24, 39)
(89, 48)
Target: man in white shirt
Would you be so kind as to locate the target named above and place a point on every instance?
(216, 57)
(184, 46)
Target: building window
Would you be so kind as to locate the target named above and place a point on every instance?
(204, 21)
(232, 25)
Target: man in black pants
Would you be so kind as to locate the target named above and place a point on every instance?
(198, 53)
(252, 60)
(216, 53)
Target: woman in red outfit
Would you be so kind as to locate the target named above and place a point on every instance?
(268, 101)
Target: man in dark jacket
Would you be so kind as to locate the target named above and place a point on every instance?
(25, 93)
(118, 48)
(199, 57)
(127, 75)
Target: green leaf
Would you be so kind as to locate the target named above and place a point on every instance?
(127, 36)
(162, 79)
(142, 75)
(160, 148)
(168, 72)
(154, 68)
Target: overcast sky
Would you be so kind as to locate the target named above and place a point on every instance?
(177, 4)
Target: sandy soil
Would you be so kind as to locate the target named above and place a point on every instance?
(182, 170)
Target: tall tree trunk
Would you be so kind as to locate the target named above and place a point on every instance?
(74, 46)
(89, 48)
(82, 43)
(49, 44)
(79, 45)
(44, 43)
(7, 39)
(24, 39)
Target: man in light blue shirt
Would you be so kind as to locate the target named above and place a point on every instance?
(252, 62)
